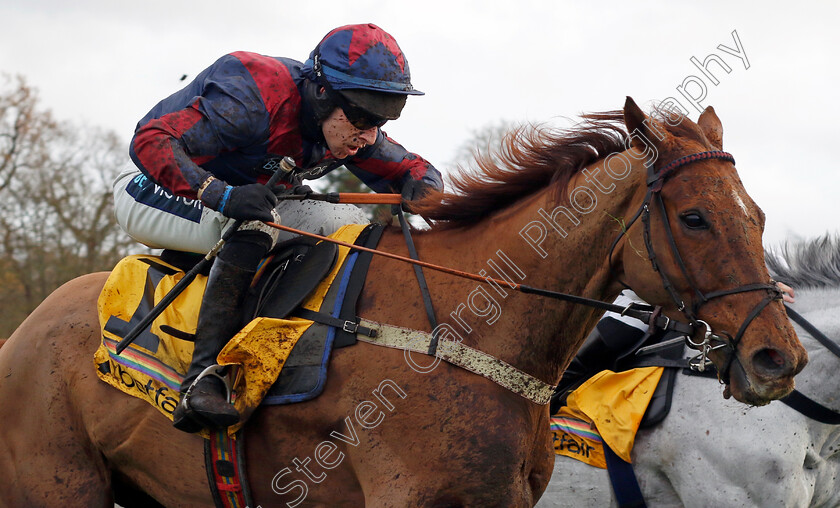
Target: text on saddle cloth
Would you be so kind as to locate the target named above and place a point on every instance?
(154, 365)
(607, 408)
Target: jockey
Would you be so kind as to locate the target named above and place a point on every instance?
(203, 154)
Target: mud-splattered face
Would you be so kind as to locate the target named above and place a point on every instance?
(343, 139)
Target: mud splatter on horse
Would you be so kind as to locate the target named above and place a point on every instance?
(553, 205)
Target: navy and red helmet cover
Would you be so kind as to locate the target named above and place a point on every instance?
(362, 57)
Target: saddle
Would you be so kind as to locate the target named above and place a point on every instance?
(300, 306)
(609, 392)
(612, 345)
(287, 275)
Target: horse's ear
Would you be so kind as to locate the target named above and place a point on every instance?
(710, 125)
(638, 123)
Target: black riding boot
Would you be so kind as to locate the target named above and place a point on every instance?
(219, 319)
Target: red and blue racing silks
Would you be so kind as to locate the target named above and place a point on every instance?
(239, 115)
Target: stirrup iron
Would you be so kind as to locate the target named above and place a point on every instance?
(217, 371)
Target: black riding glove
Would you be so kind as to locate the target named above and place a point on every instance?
(412, 190)
(253, 201)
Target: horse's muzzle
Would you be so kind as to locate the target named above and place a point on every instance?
(770, 377)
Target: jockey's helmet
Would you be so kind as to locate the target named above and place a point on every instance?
(362, 69)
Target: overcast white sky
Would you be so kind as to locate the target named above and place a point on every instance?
(106, 63)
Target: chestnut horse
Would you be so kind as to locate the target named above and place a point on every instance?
(386, 432)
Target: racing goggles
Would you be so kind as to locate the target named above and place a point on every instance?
(360, 118)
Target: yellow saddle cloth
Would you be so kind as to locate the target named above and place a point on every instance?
(152, 367)
(607, 408)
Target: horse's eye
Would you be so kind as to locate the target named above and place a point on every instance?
(693, 220)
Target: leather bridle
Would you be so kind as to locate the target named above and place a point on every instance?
(711, 341)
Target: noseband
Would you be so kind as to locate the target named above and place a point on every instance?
(711, 341)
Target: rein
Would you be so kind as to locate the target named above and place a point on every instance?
(645, 313)
(814, 331)
(796, 400)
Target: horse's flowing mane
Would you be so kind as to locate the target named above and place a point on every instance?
(815, 263)
(529, 159)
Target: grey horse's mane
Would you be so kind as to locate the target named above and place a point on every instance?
(814, 263)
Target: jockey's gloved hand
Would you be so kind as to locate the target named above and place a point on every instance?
(412, 190)
(253, 201)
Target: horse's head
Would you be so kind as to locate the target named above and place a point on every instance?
(696, 250)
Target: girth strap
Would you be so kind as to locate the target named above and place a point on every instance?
(342, 324)
(460, 355)
(628, 493)
(224, 459)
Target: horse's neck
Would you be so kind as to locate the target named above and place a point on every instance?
(819, 379)
(554, 246)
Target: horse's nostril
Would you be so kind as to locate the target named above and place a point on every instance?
(770, 361)
(776, 357)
